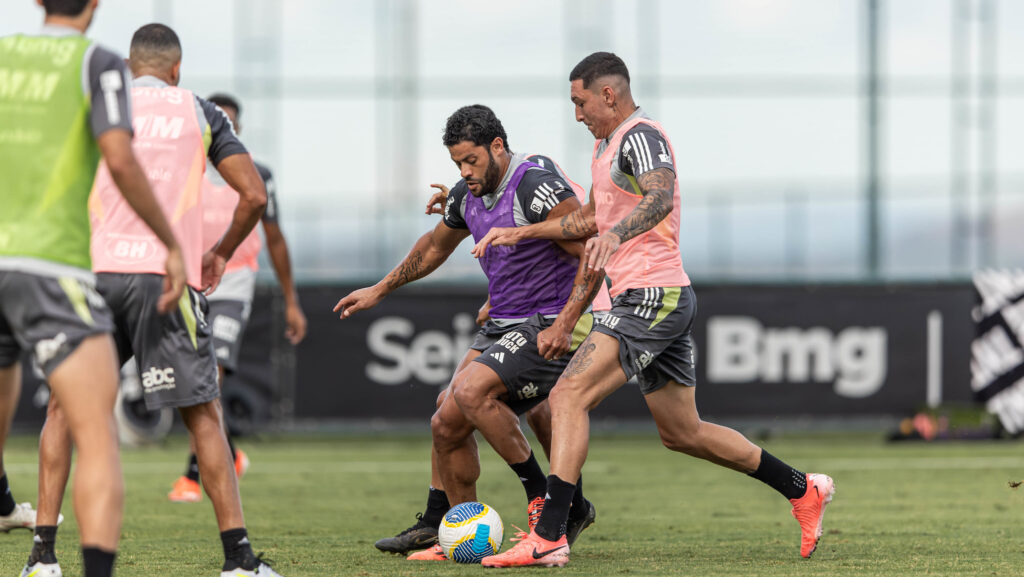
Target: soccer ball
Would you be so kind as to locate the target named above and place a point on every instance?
(469, 532)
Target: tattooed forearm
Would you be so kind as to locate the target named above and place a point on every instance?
(582, 360)
(587, 286)
(575, 225)
(658, 188)
(411, 269)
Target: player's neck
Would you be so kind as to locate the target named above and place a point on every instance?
(80, 22)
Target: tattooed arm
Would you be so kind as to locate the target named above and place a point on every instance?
(556, 340)
(432, 249)
(657, 186)
(578, 224)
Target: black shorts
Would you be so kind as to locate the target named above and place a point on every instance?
(49, 316)
(228, 320)
(511, 352)
(174, 351)
(653, 327)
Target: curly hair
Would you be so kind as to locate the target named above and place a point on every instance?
(477, 124)
(597, 65)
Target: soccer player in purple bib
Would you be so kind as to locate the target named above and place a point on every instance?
(539, 294)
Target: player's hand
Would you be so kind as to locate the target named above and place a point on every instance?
(600, 249)
(483, 314)
(174, 281)
(296, 321)
(356, 301)
(497, 236)
(436, 203)
(554, 342)
(213, 270)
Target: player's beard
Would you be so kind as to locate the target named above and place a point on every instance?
(492, 177)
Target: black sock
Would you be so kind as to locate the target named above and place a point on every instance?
(42, 545)
(97, 562)
(237, 550)
(556, 509)
(532, 477)
(780, 476)
(437, 506)
(231, 445)
(579, 503)
(7, 503)
(192, 472)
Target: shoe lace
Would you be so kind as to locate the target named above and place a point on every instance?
(520, 534)
(533, 512)
(419, 525)
(260, 560)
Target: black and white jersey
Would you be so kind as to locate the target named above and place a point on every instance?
(540, 190)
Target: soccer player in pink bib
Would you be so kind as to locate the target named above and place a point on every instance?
(634, 211)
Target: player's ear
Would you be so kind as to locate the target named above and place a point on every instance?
(497, 146)
(608, 95)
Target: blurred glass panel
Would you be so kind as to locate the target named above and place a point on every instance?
(745, 140)
(758, 37)
(917, 39)
(917, 137)
(469, 38)
(1010, 39)
(916, 230)
(328, 38)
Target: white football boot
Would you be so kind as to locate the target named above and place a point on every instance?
(42, 570)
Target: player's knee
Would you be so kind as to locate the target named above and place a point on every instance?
(446, 434)
(680, 440)
(469, 396)
(568, 394)
(441, 397)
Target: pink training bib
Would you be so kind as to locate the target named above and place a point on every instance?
(219, 203)
(169, 146)
(651, 259)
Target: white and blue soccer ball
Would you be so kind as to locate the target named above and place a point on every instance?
(469, 532)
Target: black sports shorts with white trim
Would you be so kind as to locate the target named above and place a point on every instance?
(653, 327)
(174, 352)
(512, 353)
(49, 316)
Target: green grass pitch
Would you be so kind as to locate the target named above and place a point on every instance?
(315, 505)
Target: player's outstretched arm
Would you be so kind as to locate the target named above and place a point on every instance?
(277, 247)
(577, 224)
(556, 340)
(657, 187)
(116, 147)
(432, 249)
(240, 173)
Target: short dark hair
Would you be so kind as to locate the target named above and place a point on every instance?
(65, 7)
(597, 65)
(221, 99)
(155, 44)
(477, 124)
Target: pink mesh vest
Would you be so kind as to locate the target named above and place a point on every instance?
(219, 202)
(169, 146)
(651, 259)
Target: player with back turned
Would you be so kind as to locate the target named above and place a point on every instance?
(68, 108)
(176, 131)
(635, 211)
